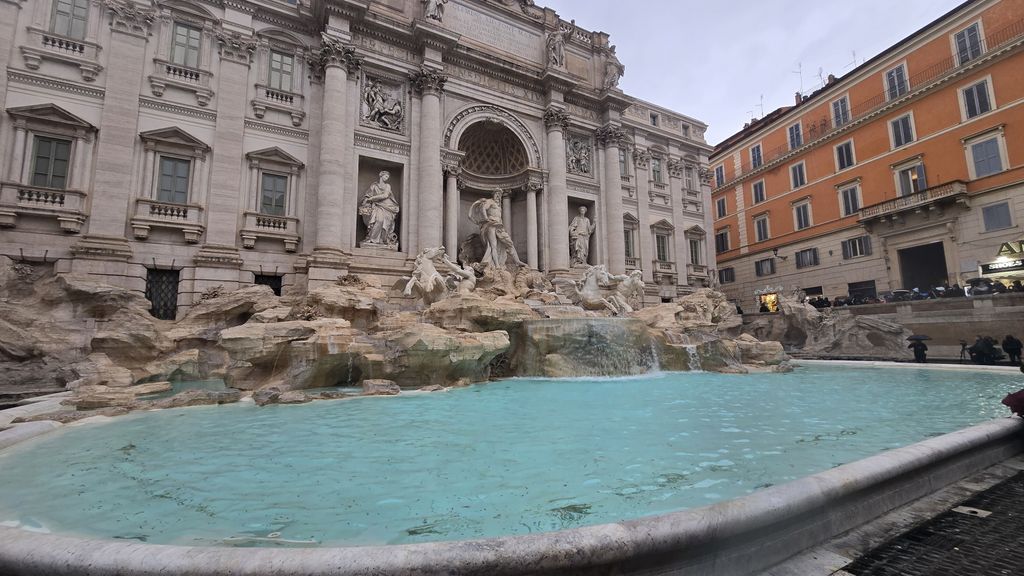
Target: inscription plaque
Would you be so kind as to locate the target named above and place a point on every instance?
(494, 32)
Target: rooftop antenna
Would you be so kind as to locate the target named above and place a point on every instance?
(760, 105)
(800, 72)
(854, 63)
(821, 76)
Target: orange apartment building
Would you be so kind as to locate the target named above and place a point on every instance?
(906, 172)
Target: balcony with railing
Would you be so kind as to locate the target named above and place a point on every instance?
(822, 129)
(664, 266)
(187, 218)
(697, 270)
(281, 228)
(66, 206)
(290, 103)
(42, 45)
(185, 78)
(632, 263)
(928, 199)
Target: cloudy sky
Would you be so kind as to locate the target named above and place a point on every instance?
(714, 60)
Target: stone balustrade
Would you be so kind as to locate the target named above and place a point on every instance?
(282, 228)
(956, 190)
(186, 78)
(268, 98)
(42, 45)
(188, 218)
(21, 200)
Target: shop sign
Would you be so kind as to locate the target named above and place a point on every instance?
(1003, 266)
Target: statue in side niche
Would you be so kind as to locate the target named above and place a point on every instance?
(580, 230)
(378, 210)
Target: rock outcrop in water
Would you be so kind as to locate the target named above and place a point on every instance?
(101, 343)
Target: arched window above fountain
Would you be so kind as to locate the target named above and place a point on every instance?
(492, 150)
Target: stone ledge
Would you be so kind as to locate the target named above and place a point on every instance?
(740, 536)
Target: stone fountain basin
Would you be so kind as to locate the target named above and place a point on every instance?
(740, 536)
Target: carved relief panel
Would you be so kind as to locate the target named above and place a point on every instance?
(579, 155)
(383, 104)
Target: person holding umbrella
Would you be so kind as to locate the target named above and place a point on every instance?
(919, 347)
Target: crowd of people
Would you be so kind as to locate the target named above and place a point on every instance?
(986, 350)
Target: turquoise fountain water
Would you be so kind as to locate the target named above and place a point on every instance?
(509, 457)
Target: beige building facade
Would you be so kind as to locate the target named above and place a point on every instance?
(172, 147)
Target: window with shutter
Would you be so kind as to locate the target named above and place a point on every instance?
(968, 44)
(986, 157)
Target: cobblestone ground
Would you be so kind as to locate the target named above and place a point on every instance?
(958, 543)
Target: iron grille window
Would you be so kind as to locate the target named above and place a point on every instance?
(726, 275)
(695, 250)
(976, 99)
(274, 281)
(50, 162)
(162, 292)
(275, 189)
(806, 258)
(986, 158)
(69, 18)
(628, 237)
(968, 44)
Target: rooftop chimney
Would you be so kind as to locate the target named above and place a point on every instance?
(799, 98)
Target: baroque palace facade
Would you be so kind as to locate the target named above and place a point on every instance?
(178, 145)
(907, 172)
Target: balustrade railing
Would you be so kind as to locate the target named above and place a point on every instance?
(921, 198)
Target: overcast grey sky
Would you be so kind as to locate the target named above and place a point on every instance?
(713, 60)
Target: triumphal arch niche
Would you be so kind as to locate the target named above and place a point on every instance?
(492, 149)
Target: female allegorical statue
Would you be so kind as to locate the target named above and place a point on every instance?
(378, 210)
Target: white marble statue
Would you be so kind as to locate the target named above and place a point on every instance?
(382, 107)
(629, 291)
(555, 43)
(486, 213)
(434, 9)
(378, 210)
(613, 70)
(580, 230)
(463, 277)
(426, 280)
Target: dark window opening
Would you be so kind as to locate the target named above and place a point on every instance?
(274, 281)
(162, 292)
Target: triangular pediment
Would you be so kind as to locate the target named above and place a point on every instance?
(50, 113)
(274, 154)
(629, 218)
(173, 135)
(663, 225)
(695, 231)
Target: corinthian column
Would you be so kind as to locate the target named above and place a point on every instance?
(332, 226)
(531, 223)
(557, 120)
(451, 210)
(611, 188)
(430, 83)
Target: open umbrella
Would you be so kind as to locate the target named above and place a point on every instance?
(914, 337)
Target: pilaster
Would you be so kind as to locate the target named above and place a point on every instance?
(556, 120)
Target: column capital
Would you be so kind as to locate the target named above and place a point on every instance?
(333, 53)
(428, 81)
(129, 17)
(675, 167)
(556, 118)
(641, 157)
(705, 174)
(609, 135)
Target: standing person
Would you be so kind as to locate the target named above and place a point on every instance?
(920, 351)
(1012, 347)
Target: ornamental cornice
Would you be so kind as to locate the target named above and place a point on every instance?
(128, 17)
(675, 167)
(235, 47)
(372, 142)
(177, 109)
(55, 84)
(556, 118)
(276, 129)
(428, 80)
